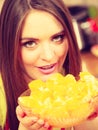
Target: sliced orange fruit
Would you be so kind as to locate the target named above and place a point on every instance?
(62, 100)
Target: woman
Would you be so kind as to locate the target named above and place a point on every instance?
(37, 39)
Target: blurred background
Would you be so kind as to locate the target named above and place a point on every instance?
(85, 21)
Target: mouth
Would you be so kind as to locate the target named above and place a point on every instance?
(48, 68)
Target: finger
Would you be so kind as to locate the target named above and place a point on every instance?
(95, 103)
(33, 122)
(20, 112)
(92, 116)
(47, 126)
(39, 124)
(24, 119)
(28, 121)
(43, 128)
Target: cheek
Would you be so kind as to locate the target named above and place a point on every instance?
(63, 53)
(27, 57)
(63, 50)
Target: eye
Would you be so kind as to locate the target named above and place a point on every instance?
(59, 38)
(29, 44)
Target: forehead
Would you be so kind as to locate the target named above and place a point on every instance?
(39, 21)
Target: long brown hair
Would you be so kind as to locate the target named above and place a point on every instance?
(12, 16)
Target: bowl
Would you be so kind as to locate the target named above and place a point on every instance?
(61, 101)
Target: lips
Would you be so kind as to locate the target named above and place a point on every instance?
(47, 69)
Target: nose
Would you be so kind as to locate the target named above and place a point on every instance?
(47, 52)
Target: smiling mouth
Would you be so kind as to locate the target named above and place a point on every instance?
(47, 69)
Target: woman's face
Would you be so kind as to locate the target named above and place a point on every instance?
(44, 45)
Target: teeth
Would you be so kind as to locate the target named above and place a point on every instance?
(47, 67)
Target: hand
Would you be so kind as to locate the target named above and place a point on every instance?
(95, 104)
(30, 123)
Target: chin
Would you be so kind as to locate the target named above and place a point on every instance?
(46, 77)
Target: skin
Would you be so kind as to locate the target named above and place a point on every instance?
(44, 45)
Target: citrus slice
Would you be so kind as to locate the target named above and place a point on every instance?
(62, 100)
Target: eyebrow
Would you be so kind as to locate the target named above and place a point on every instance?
(35, 39)
(61, 32)
(28, 38)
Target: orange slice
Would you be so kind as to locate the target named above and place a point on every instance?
(61, 100)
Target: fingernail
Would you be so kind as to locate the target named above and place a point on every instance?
(46, 125)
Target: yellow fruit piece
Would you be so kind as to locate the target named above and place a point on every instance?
(61, 100)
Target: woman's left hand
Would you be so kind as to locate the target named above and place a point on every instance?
(95, 104)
